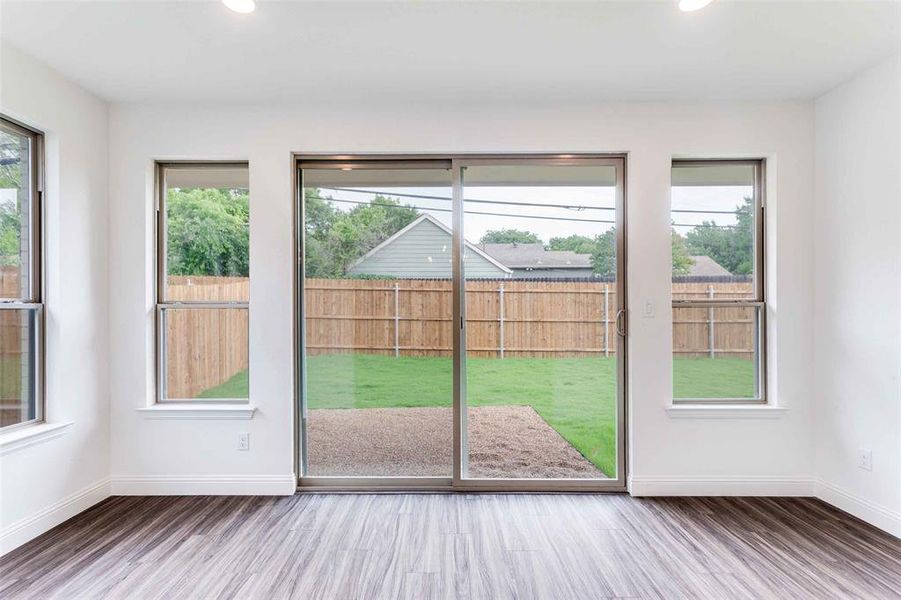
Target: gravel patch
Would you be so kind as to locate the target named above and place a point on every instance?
(505, 442)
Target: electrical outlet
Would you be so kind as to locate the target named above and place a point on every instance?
(243, 441)
(865, 459)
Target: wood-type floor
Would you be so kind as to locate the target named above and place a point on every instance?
(423, 546)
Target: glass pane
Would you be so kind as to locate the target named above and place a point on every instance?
(205, 353)
(713, 230)
(207, 234)
(15, 205)
(716, 352)
(377, 300)
(540, 276)
(18, 399)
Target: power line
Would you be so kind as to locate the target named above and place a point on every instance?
(578, 207)
(510, 215)
(705, 212)
(475, 212)
(706, 225)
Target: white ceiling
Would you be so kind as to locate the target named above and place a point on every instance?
(442, 52)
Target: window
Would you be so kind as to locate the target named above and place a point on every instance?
(203, 244)
(718, 281)
(21, 309)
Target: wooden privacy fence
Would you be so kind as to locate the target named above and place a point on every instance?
(508, 318)
(503, 318)
(13, 323)
(412, 317)
(719, 331)
(205, 347)
(15, 352)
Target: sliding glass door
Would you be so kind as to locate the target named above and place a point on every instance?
(541, 349)
(459, 322)
(377, 312)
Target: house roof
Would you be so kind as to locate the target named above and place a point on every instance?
(704, 266)
(535, 256)
(427, 217)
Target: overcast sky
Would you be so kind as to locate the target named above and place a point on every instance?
(586, 207)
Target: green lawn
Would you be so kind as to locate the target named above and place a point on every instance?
(11, 377)
(576, 396)
(713, 378)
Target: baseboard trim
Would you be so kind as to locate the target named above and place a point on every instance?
(875, 514)
(721, 486)
(44, 520)
(204, 485)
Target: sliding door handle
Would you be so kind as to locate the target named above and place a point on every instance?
(621, 322)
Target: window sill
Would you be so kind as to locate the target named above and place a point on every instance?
(725, 411)
(198, 411)
(33, 434)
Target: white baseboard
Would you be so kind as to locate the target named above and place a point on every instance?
(879, 516)
(721, 486)
(204, 485)
(30, 527)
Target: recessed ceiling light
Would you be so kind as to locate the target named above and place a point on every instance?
(241, 6)
(693, 5)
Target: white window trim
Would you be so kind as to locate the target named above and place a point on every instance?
(161, 398)
(196, 410)
(725, 411)
(34, 433)
(34, 300)
(737, 406)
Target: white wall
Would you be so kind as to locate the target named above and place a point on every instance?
(735, 454)
(45, 483)
(858, 294)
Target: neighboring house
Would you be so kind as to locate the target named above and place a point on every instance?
(422, 250)
(533, 260)
(704, 266)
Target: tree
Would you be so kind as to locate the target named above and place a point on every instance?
(579, 244)
(732, 247)
(603, 256)
(682, 262)
(319, 214)
(335, 239)
(509, 236)
(207, 232)
(10, 242)
(12, 150)
(319, 218)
